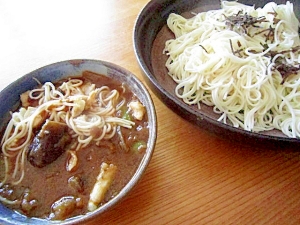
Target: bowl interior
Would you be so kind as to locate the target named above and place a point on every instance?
(150, 35)
(10, 100)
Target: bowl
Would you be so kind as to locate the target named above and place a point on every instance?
(150, 35)
(9, 98)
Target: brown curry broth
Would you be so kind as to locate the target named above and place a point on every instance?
(50, 183)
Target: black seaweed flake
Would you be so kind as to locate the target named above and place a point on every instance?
(242, 21)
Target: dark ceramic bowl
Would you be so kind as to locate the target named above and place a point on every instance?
(9, 98)
(150, 34)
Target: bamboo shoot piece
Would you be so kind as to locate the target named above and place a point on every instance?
(104, 180)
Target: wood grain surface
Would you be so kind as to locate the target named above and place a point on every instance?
(194, 177)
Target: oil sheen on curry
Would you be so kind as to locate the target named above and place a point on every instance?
(71, 146)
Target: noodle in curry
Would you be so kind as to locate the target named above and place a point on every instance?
(91, 114)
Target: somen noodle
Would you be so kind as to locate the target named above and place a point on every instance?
(242, 61)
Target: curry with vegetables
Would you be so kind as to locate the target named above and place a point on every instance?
(71, 146)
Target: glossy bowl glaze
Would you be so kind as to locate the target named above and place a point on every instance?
(150, 35)
(9, 98)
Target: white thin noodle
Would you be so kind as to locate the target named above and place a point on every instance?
(243, 89)
(101, 105)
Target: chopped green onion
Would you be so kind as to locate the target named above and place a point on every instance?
(138, 146)
(125, 114)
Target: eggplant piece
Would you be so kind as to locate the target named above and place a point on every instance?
(63, 207)
(48, 144)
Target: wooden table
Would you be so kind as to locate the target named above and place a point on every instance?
(194, 177)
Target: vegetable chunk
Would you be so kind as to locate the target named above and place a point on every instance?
(138, 109)
(104, 180)
(48, 144)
